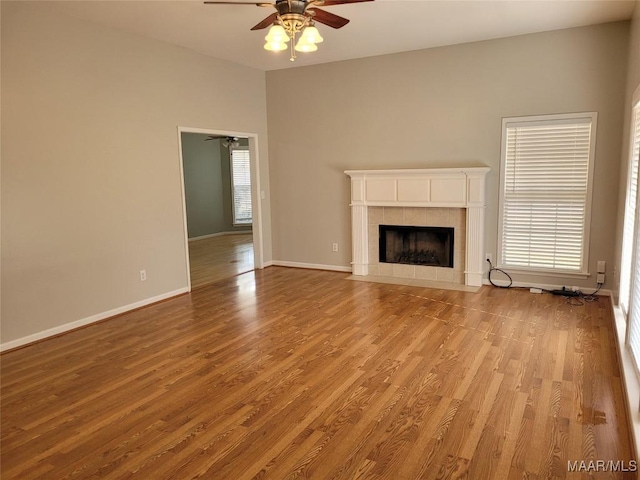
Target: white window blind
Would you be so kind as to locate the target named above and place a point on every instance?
(545, 192)
(633, 333)
(630, 213)
(241, 180)
(630, 261)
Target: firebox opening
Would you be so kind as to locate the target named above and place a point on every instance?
(432, 246)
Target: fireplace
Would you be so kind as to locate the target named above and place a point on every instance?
(440, 197)
(414, 245)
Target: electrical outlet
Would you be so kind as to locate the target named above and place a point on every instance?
(143, 275)
(601, 266)
(489, 257)
(335, 247)
(600, 278)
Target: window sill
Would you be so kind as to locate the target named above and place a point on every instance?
(544, 273)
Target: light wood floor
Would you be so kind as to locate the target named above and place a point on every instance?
(286, 373)
(216, 258)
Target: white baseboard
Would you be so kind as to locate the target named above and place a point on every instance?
(219, 234)
(88, 320)
(267, 264)
(204, 237)
(313, 266)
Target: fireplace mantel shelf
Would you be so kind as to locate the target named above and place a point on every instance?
(421, 188)
(419, 171)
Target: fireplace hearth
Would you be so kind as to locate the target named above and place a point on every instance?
(413, 245)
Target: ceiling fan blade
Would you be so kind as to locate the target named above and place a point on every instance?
(257, 4)
(328, 3)
(266, 22)
(328, 18)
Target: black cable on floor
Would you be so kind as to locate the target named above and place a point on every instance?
(493, 269)
(575, 300)
(592, 297)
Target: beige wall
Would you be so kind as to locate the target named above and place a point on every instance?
(633, 79)
(440, 107)
(633, 82)
(91, 189)
(203, 182)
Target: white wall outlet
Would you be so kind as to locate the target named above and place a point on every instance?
(601, 266)
(489, 257)
(600, 278)
(143, 275)
(335, 247)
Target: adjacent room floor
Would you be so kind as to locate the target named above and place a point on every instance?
(215, 258)
(287, 373)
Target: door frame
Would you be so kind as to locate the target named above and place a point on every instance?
(256, 193)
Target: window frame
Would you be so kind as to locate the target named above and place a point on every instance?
(634, 302)
(233, 187)
(635, 112)
(634, 277)
(532, 120)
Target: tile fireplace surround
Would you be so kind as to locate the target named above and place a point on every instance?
(420, 197)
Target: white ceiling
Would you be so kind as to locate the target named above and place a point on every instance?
(376, 28)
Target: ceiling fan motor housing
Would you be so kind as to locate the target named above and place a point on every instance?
(291, 6)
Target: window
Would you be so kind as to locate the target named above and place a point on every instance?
(630, 257)
(545, 192)
(630, 212)
(241, 183)
(633, 332)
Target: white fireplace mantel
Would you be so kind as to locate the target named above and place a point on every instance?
(427, 188)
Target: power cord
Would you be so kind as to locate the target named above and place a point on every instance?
(577, 298)
(494, 269)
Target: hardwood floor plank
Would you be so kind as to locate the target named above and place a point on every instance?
(433, 449)
(216, 258)
(537, 444)
(511, 436)
(287, 373)
(483, 414)
(352, 442)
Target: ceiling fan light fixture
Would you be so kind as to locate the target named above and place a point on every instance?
(311, 35)
(275, 46)
(303, 46)
(277, 34)
(231, 142)
(294, 18)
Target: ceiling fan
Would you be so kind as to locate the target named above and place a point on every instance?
(228, 141)
(293, 17)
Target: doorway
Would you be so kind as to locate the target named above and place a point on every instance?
(221, 214)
